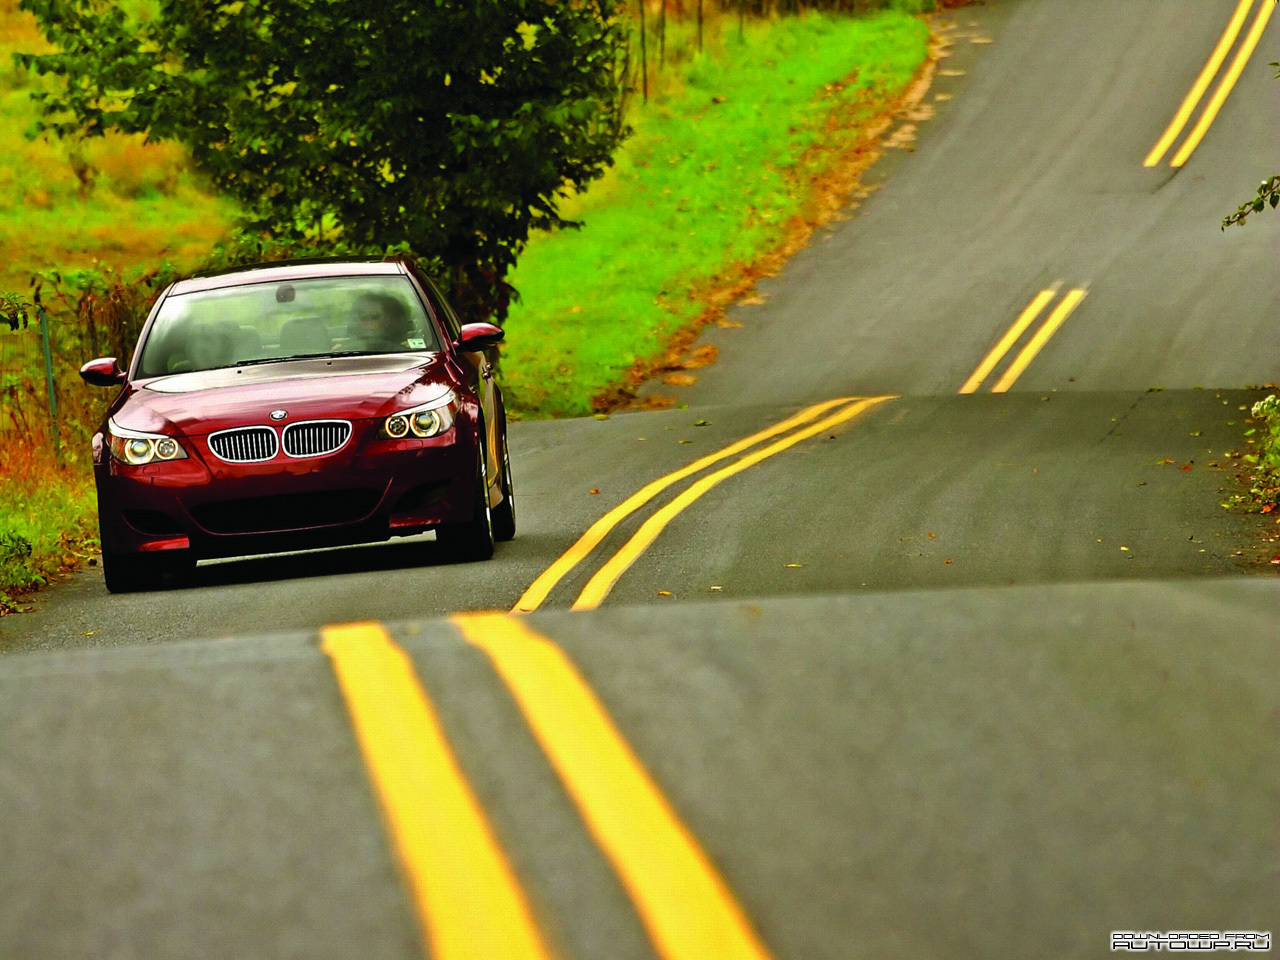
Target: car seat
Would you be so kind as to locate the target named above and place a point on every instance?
(303, 335)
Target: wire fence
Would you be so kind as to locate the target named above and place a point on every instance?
(46, 409)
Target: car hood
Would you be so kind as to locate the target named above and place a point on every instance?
(350, 388)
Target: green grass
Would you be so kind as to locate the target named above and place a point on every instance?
(703, 185)
(48, 519)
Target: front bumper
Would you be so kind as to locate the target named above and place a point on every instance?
(370, 490)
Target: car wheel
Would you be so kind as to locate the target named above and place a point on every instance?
(472, 540)
(129, 573)
(504, 514)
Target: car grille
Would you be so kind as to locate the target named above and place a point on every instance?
(286, 512)
(315, 438)
(244, 444)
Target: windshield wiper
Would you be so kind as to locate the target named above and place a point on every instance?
(304, 356)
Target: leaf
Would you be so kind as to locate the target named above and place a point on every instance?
(593, 490)
(702, 423)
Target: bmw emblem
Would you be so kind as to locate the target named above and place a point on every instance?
(279, 414)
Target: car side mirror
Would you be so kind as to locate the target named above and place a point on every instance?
(104, 372)
(475, 337)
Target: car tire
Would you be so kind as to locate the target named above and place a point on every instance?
(504, 514)
(130, 573)
(472, 540)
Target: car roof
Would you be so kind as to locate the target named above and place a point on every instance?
(289, 270)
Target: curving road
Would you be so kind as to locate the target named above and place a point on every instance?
(979, 668)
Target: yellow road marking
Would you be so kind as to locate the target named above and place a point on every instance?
(1201, 85)
(1008, 340)
(547, 580)
(598, 586)
(468, 902)
(684, 904)
(1034, 346)
(1228, 83)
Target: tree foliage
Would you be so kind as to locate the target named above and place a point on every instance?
(453, 128)
(1268, 194)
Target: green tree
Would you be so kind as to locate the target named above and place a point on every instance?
(453, 128)
(1268, 194)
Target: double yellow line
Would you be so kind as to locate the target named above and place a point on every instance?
(468, 901)
(1225, 86)
(603, 581)
(1033, 346)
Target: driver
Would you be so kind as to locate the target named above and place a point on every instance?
(378, 323)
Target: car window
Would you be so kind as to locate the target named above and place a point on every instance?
(442, 308)
(261, 322)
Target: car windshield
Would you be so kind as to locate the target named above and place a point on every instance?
(266, 322)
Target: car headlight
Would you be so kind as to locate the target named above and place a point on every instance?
(427, 420)
(137, 449)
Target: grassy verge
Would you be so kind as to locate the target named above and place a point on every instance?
(48, 522)
(720, 163)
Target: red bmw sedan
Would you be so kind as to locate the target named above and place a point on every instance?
(295, 405)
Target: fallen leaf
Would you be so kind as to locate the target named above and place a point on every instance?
(602, 416)
(753, 301)
(795, 565)
(1197, 433)
(702, 423)
(576, 308)
(1186, 466)
(664, 593)
(1164, 461)
(702, 356)
(932, 535)
(593, 490)
(686, 441)
(89, 633)
(1124, 548)
(680, 379)
(948, 560)
(714, 589)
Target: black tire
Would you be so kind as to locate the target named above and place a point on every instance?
(472, 540)
(130, 573)
(504, 514)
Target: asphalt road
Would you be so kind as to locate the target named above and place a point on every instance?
(987, 674)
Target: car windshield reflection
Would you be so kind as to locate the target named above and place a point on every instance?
(278, 322)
